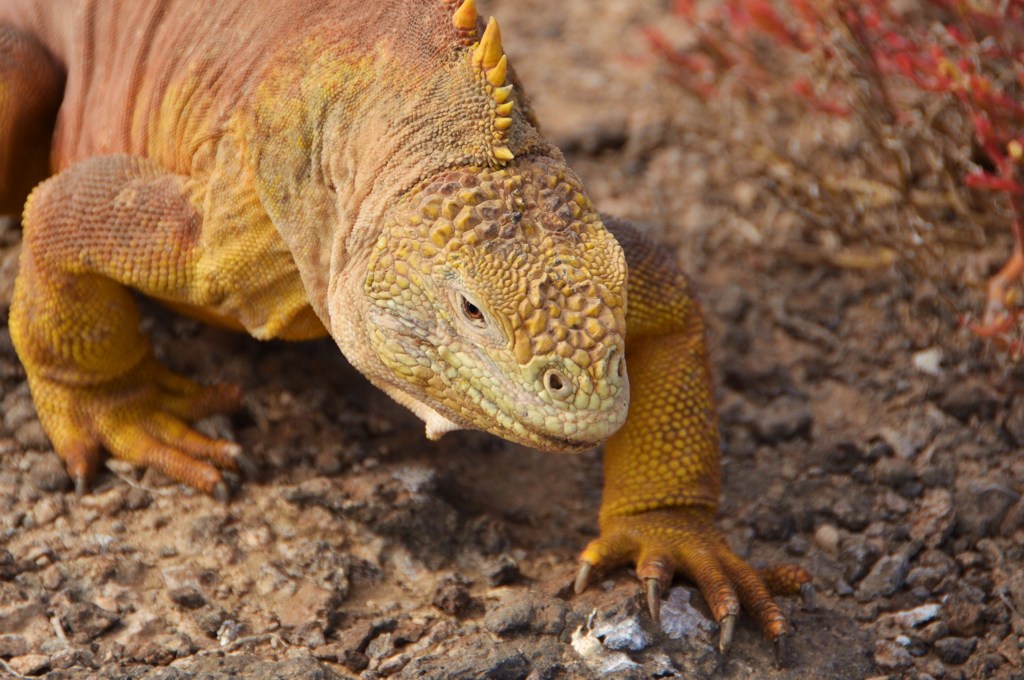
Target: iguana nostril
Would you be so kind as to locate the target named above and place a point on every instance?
(558, 386)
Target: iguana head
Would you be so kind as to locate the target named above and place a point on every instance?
(497, 302)
(496, 298)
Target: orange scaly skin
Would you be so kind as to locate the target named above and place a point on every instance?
(371, 171)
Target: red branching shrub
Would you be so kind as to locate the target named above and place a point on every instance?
(937, 89)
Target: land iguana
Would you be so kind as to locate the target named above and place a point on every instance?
(368, 171)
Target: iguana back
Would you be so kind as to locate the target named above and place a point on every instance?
(160, 78)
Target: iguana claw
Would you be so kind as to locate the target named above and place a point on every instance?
(246, 466)
(654, 599)
(222, 492)
(583, 577)
(809, 596)
(728, 627)
(781, 650)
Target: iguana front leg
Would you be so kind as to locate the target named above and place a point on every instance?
(662, 469)
(99, 226)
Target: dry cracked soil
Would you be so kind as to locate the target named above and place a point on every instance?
(864, 438)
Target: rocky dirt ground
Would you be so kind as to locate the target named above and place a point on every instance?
(865, 438)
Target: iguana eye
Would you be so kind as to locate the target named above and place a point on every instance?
(472, 313)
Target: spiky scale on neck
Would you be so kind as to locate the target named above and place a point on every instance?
(465, 17)
(491, 67)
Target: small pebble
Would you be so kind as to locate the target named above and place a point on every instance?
(394, 664)
(452, 596)
(107, 503)
(933, 521)
(210, 618)
(955, 650)
(933, 631)
(980, 508)
(52, 578)
(84, 621)
(885, 578)
(798, 545)
(891, 655)
(826, 537)
(48, 509)
(894, 472)
(12, 645)
(933, 668)
(971, 397)
(32, 436)
(503, 571)
(858, 556)
(30, 664)
(71, 658)
(18, 410)
(187, 595)
(854, 514)
(137, 499)
(48, 474)
(964, 611)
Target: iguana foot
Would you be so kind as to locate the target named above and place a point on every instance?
(661, 543)
(140, 417)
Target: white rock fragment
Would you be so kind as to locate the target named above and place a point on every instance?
(623, 633)
(912, 618)
(679, 620)
(228, 632)
(596, 655)
(928, 361)
(415, 479)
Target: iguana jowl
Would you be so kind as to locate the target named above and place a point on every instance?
(372, 171)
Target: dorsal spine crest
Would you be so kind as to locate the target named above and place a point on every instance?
(465, 16)
(490, 65)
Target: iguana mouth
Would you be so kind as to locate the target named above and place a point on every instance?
(589, 434)
(569, 446)
(439, 420)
